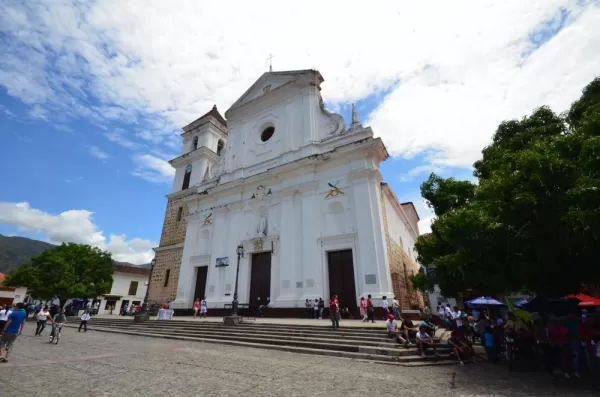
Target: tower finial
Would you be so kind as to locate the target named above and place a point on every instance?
(356, 125)
(270, 59)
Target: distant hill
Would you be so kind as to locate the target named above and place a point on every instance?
(17, 250)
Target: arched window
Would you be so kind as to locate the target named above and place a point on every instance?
(186, 177)
(195, 143)
(220, 146)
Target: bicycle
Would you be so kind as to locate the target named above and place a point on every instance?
(55, 336)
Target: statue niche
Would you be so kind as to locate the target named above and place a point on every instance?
(262, 223)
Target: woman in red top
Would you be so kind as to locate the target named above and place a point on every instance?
(558, 335)
(363, 309)
(196, 307)
(370, 309)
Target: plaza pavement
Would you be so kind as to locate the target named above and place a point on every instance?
(95, 364)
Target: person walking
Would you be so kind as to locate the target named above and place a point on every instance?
(385, 307)
(196, 307)
(370, 309)
(203, 307)
(41, 318)
(12, 329)
(363, 309)
(396, 308)
(5, 312)
(334, 312)
(84, 320)
(321, 308)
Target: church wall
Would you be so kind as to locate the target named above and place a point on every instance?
(173, 231)
(401, 266)
(398, 228)
(168, 259)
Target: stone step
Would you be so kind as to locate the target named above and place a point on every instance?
(377, 337)
(360, 355)
(391, 347)
(326, 324)
(324, 344)
(374, 340)
(274, 327)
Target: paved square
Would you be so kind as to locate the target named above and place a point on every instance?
(97, 364)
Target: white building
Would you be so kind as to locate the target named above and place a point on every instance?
(129, 286)
(299, 191)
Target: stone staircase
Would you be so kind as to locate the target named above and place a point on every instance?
(348, 342)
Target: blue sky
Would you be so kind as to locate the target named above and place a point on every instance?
(92, 97)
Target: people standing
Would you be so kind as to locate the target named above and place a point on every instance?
(385, 307)
(321, 308)
(196, 307)
(203, 307)
(5, 312)
(12, 329)
(396, 308)
(85, 317)
(363, 309)
(334, 312)
(308, 307)
(370, 309)
(316, 309)
(41, 318)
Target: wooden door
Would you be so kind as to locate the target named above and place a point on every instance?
(200, 290)
(260, 280)
(341, 279)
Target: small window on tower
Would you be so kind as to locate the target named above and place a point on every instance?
(267, 134)
(195, 143)
(220, 146)
(167, 276)
(179, 213)
(186, 177)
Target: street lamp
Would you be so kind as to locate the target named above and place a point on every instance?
(234, 304)
(145, 304)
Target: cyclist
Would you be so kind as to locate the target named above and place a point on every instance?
(59, 318)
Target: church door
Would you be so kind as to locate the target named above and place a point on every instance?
(341, 279)
(200, 290)
(260, 280)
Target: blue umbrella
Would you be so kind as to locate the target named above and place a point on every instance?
(485, 301)
(522, 301)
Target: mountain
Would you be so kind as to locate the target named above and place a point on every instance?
(17, 250)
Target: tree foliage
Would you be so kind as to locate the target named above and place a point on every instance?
(67, 271)
(532, 221)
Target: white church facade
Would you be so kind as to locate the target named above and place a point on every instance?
(301, 193)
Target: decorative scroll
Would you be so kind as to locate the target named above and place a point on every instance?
(207, 220)
(258, 244)
(334, 192)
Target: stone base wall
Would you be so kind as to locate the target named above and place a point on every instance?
(166, 260)
(401, 267)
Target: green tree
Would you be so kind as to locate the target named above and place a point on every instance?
(532, 222)
(67, 271)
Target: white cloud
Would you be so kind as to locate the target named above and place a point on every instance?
(453, 74)
(38, 112)
(153, 169)
(425, 224)
(98, 153)
(75, 226)
(419, 170)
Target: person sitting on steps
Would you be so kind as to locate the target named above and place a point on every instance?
(424, 341)
(392, 331)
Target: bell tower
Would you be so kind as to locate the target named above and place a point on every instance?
(203, 144)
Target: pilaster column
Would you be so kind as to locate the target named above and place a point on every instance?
(372, 258)
(311, 273)
(185, 283)
(289, 236)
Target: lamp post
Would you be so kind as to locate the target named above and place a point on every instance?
(145, 304)
(234, 304)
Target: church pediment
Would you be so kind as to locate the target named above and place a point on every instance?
(270, 82)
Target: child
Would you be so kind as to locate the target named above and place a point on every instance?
(488, 344)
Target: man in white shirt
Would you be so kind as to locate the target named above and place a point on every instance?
(4, 313)
(84, 320)
(384, 306)
(457, 316)
(424, 341)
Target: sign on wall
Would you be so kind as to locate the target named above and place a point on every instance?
(224, 261)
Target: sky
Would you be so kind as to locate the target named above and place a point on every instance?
(93, 95)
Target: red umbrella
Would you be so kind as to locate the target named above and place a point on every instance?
(586, 300)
